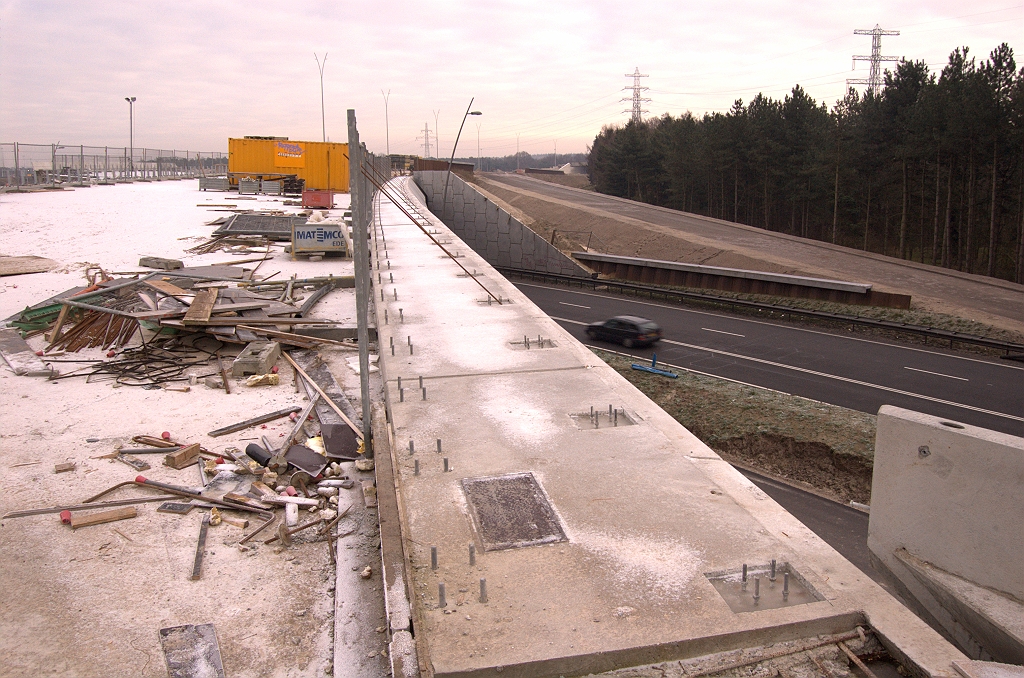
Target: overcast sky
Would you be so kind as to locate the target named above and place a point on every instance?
(552, 71)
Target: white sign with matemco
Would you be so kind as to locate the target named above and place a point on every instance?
(318, 238)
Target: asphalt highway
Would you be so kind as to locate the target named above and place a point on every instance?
(854, 372)
(972, 293)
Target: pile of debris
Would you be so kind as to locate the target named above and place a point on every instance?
(182, 316)
(261, 484)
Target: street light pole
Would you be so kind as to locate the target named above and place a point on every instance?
(478, 147)
(387, 126)
(323, 118)
(448, 177)
(437, 139)
(131, 135)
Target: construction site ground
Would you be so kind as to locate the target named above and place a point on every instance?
(92, 601)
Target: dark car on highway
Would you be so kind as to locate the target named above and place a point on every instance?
(628, 330)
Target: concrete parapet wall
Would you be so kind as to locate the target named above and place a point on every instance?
(736, 280)
(492, 232)
(947, 503)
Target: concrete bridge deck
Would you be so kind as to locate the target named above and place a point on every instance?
(641, 516)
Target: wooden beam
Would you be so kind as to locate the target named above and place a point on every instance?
(103, 517)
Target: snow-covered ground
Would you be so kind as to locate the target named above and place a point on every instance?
(91, 602)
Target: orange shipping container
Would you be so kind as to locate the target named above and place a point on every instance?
(324, 166)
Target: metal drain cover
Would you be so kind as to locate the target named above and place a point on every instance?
(512, 511)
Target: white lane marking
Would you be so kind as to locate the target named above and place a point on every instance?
(937, 374)
(566, 320)
(848, 380)
(564, 303)
(708, 329)
(670, 307)
(703, 374)
(827, 376)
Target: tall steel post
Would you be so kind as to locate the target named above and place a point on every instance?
(323, 115)
(360, 225)
(131, 134)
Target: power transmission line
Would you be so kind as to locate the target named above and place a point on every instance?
(874, 79)
(637, 100)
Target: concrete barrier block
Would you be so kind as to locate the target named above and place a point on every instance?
(529, 244)
(516, 234)
(950, 494)
(504, 223)
(515, 255)
(492, 233)
(492, 251)
(504, 242)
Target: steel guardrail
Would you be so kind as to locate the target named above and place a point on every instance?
(669, 293)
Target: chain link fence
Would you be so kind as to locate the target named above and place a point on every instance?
(28, 166)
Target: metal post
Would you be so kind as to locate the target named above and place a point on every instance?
(362, 275)
(131, 134)
(17, 169)
(323, 118)
(444, 196)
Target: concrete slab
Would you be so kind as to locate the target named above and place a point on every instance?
(648, 509)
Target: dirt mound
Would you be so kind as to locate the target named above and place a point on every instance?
(845, 476)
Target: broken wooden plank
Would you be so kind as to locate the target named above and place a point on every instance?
(191, 651)
(22, 359)
(186, 456)
(103, 517)
(202, 306)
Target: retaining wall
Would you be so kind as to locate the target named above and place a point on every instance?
(490, 231)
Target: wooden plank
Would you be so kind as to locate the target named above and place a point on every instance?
(25, 264)
(167, 288)
(247, 321)
(220, 308)
(262, 419)
(197, 565)
(103, 517)
(183, 457)
(296, 339)
(202, 306)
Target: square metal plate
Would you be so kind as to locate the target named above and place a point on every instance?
(512, 511)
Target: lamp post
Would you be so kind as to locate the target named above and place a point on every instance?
(387, 127)
(478, 147)
(444, 196)
(131, 135)
(437, 140)
(320, 66)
